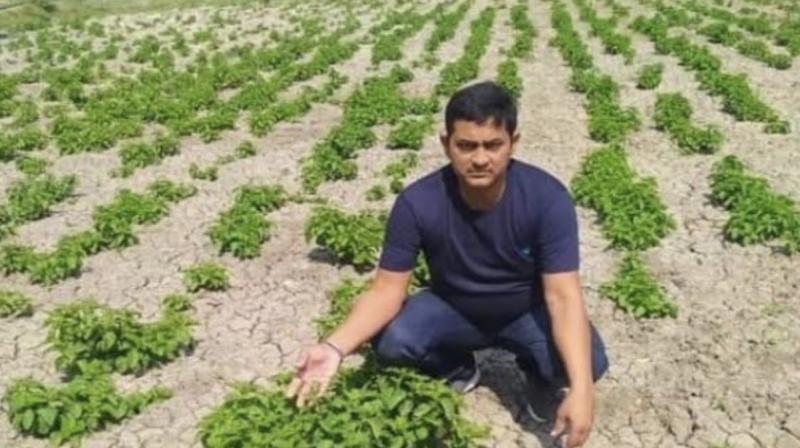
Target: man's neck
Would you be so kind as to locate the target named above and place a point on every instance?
(482, 199)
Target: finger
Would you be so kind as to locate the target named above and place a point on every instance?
(306, 392)
(559, 426)
(294, 386)
(323, 387)
(577, 438)
(301, 360)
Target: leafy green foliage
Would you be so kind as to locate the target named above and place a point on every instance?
(608, 121)
(351, 238)
(758, 214)
(112, 228)
(410, 133)
(465, 68)
(32, 198)
(635, 291)
(15, 304)
(378, 101)
(605, 29)
(399, 169)
(650, 76)
(524, 31)
(388, 46)
(25, 140)
(208, 275)
(376, 193)
(445, 25)
(508, 77)
(31, 166)
(245, 149)
(371, 406)
(738, 98)
(673, 114)
(139, 155)
(90, 337)
(242, 229)
(208, 173)
(85, 404)
(632, 215)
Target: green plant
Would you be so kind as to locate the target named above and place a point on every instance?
(139, 155)
(208, 275)
(242, 229)
(352, 238)
(85, 404)
(445, 25)
(245, 149)
(376, 193)
(31, 166)
(456, 73)
(15, 304)
(635, 291)
(90, 337)
(208, 173)
(758, 214)
(650, 76)
(32, 198)
(371, 406)
(673, 114)
(410, 133)
(632, 215)
(508, 77)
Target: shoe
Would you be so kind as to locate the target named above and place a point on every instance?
(542, 399)
(465, 378)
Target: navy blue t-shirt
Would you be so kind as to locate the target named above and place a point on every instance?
(486, 264)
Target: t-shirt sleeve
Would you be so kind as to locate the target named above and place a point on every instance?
(402, 240)
(558, 235)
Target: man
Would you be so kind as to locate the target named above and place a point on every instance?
(501, 241)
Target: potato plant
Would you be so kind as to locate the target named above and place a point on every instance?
(632, 215)
(738, 98)
(465, 68)
(635, 291)
(341, 301)
(242, 229)
(207, 276)
(32, 198)
(91, 337)
(65, 414)
(650, 76)
(673, 114)
(352, 238)
(112, 229)
(369, 406)
(605, 29)
(758, 214)
(445, 25)
(15, 304)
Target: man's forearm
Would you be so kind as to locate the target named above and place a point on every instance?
(573, 339)
(371, 312)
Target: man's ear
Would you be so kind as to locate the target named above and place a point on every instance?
(515, 138)
(444, 139)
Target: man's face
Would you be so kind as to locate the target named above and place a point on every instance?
(479, 153)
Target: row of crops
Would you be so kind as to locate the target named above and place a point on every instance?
(203, 84)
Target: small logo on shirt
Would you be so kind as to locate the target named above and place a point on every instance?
(525, 251)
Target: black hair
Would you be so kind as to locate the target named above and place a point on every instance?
(480, 102)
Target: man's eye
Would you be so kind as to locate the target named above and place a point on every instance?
(466, 146)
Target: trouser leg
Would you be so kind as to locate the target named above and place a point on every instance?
(430, 335)
(530, 338)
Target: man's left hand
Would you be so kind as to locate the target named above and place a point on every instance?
(574, 418)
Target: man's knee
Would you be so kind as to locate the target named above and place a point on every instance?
(399, 344)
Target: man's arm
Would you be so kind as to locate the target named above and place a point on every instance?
(570, 325)
(373, 310)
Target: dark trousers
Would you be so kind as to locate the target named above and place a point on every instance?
(430, 335)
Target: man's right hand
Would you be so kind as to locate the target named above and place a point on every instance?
(315, 370)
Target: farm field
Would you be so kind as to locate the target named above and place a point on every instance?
(190, 197)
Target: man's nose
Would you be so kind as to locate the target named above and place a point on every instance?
(480, 158)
